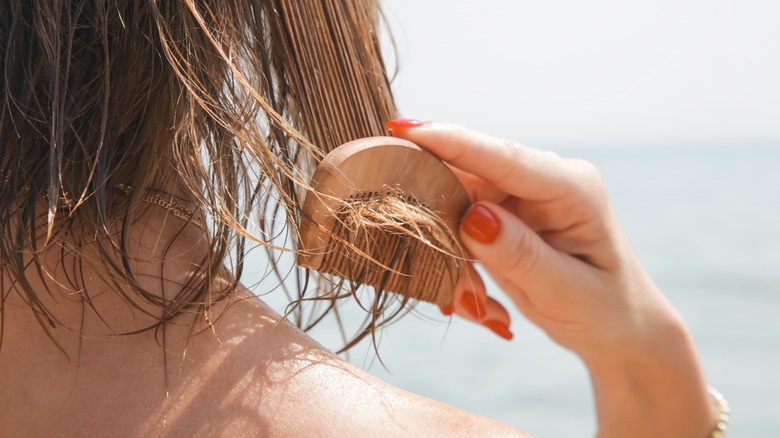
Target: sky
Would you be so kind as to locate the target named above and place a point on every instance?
(601, 72)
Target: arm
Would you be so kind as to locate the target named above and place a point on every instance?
(543, 228)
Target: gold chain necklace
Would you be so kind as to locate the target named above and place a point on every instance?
(169, 203)
(158, 198)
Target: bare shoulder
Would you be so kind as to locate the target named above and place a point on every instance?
(257, 375)
(253, 374)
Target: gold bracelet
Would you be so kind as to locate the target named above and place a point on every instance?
(722, 422)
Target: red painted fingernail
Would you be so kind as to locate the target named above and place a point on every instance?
(481, 224)
(500, 329)
(468, 300)
(398, 124)
(447, 309)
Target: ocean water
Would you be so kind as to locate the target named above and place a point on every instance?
(705, 221)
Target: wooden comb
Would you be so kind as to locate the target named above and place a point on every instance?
(420, 262)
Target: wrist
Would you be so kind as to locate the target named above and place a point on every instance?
(655, 390)
(656, 334)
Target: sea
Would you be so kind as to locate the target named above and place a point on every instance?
(705, 222)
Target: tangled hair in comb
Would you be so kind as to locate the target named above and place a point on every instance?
(404, 240)
(231, 102)
(395, 245)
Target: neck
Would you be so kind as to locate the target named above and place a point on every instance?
(87, 301)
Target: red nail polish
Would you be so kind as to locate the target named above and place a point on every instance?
(447, 309)
(500, 329)
(481, 224)
(468, 300)
(398, 124)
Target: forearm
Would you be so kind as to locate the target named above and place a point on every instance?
(656, 392)
(543, 227)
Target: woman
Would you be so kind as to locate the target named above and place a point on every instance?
(129, 134)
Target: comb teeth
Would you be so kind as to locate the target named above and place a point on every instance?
(401, 260)
(383, 212)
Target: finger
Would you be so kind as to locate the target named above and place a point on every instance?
(479, 189)
(470, 297)
(507, 246)
(498, 319)
(471, 302)
(516, 169)
(518, 295)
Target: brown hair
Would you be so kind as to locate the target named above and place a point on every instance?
(230, 101)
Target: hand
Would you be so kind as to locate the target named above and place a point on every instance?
(543, 228)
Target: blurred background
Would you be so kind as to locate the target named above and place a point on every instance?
(678, 103)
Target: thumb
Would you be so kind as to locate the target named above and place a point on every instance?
(510, 249)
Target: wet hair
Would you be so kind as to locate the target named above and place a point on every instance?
(232, 102)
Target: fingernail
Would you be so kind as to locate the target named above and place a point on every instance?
(499, 328)
(398, 124)
(481, 224)
(468, 300)
(447, 309)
